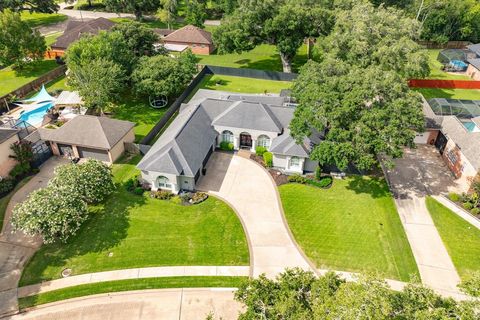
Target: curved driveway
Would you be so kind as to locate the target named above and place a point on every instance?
(249, 189)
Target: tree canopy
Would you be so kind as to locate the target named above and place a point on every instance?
(357, 92)
(195, 13)
(138, 7)
(45, 6)
(138, 38)
(19, 44)
(284, 23)
(297, 294)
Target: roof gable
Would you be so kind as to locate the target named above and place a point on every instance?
(190, 34)
(77, 30)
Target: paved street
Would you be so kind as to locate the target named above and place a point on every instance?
(232, 178)
(419, 173)
(165, 304)
(15, 247)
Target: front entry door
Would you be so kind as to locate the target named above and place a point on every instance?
(245, 140)
(441, 142)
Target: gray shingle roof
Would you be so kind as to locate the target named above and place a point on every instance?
(475, 62)
(468, 142)
(273, 100)
(285, 145)
(7, 133)
(475, 48)
(249, 115)
(75, 31)
(89, 131)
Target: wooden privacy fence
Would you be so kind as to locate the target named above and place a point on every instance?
(444, 84)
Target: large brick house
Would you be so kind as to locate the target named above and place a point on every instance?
(198, 40)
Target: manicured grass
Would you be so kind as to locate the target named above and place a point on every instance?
(468, 94)
(13, 79)
(6, 199)
(42, 19)
(130, 108)
(263, 57)
(58, 84)
(461, 239)
(127, 285)
(241, 84)
(353, 226)
(143, 232)
(52, 37)
(435, 68)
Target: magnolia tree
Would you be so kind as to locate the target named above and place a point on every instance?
(55, 214)
(92, 180)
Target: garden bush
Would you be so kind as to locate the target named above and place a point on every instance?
(20, 170)
(268, 159)
(455, 197)
(318, 172)
(468, 206)
(199, 197)
(177, 200)
(475, 211)
(259, 151)
(6, 185)
(138, 191)
(226, 146)
(296, 178)
(322, 183)
(162, 194)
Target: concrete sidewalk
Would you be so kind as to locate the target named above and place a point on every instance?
(136, 273)
(162, 304)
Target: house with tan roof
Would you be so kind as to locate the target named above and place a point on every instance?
(197, 39)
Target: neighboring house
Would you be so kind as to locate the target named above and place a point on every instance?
(84, 136)
(454, 128)
(74, 31)
(198, 40)
(176, 161)
(7, 138)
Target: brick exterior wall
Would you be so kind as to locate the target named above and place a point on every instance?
(473, 72)
(453, 159)
(196, 47)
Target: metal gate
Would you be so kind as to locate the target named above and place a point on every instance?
(41, 153)
(441, 142)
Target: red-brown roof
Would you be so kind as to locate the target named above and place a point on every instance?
(190, 34)
(75, 30)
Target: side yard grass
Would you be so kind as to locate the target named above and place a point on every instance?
(435, 68)
(353, 226)
(130, 231)
(127, 285)
(242, 85)
(6, 199)
(36, 19)
(13, 79)
(461, 239)
(467, 94)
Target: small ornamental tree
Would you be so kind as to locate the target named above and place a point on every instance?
(22, 151)
(92, 180)
(55, 214)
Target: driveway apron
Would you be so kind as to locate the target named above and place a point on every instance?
(249, 189)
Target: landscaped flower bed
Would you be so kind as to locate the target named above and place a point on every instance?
(187, 198)
(324, 182)
(468, 201)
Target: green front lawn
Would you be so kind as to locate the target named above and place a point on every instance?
(353, 226)
(461, 239)
(263, 57)
(14, 79)
(241, 84)
(6, 199)
(435, 68)
(140, 231)
(127, 285)
(36, 19)
(467, 94)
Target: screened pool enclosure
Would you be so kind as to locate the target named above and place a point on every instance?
(462, 109)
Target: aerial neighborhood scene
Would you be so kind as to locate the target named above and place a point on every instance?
(240, 159)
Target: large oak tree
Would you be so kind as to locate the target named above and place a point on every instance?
(283, 23)
(45, 6)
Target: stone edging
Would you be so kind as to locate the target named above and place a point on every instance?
(284, 220)
(135, 273)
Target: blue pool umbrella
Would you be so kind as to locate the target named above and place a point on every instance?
(41, 96)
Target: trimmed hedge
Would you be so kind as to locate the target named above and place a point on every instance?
(259, 151)
(268, 158)
(324, 182)
(226, 146)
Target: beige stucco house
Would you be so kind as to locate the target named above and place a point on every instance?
(7, 138)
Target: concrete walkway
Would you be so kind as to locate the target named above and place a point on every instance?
(251, 192)
(162, 304)
(136, 273)
(15, 247)
(458, 211)
(420, 173)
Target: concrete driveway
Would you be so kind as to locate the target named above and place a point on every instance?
(15, 247)
(249, 189)
(422, 172)
(162, 304)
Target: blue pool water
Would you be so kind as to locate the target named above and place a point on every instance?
(35, 117)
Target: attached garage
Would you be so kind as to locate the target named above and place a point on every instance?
(65, 150)
(98, 154)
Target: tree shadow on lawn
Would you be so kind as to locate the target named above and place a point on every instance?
(374, 186)
(272, 64)
(107, 227)
(36, 68)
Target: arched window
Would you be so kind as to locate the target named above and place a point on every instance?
(263, 141)
(164, 182)
(295, 162)
(227, 136)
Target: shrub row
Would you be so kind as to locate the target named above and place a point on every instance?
(469, 201)
(324, 182)
(186, 198)
(226, 146)
(268, 159)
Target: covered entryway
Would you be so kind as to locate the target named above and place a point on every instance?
(441, 142)
(98, 154)
(245, 140)
(65, 150)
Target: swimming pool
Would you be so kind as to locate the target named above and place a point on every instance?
(35, 117)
